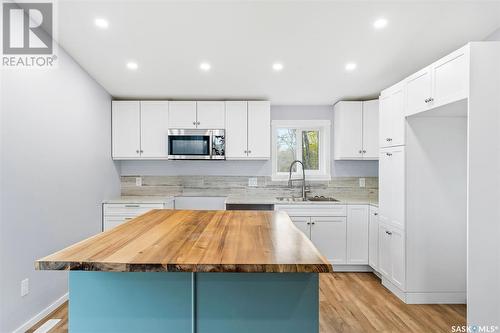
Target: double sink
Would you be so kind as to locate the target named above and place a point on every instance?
(311, 199)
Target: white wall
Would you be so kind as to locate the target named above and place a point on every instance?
(495, 36)
(56, 170)
(251, 168)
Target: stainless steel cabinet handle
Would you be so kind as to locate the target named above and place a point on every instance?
(142, 151)
(364, 151)
(194, 122)
(388, 154)
(431, 99)
(388, 232)
(137, 151)
(245, 151)
(361, 152)
(375, 214)
(132, 206)
(313, 223)
(249, 151)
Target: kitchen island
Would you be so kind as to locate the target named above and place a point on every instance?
(194, 271)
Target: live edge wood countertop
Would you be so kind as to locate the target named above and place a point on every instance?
(164, 240)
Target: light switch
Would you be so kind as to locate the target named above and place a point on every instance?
(25, 287)
(362, 182)
(138, 181)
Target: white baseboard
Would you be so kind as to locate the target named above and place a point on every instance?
(351, 268)
(436, 298)
(44, 313)
(393, 289)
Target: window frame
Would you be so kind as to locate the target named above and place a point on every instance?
(323, 126)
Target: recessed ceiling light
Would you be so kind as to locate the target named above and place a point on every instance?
(277, 66)
(101, 23)
(350, 66)
(132, 65)
(380, 23)
(205, 66)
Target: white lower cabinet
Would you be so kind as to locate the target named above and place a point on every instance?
(373, 238)
(357, 234)
(329, 235)
(391, 255)
(340, 232)
(115, 214)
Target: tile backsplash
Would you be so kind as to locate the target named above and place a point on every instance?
(339, 187)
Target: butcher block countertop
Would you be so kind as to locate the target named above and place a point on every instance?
(165, 240)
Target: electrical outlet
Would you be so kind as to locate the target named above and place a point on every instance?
(362, 182)
(252, 182)
(25, 287)
(138, 181)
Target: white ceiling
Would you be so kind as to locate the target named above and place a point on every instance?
(242, 39)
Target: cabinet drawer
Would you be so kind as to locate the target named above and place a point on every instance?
(129, 209)
(111, 222)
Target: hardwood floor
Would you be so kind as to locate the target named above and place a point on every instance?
(355, 303)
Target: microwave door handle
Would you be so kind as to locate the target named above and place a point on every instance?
(211, 143)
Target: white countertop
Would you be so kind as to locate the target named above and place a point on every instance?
(140, 199)
(262, 200)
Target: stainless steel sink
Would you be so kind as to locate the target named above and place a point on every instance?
(316, 198)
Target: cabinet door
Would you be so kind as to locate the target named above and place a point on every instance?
(236, 130)
(373, 239)
(210, 114)
(385, 120)
(348, 130)
(397, 181)
(329, 235)
(450, 78)
(154, 127)
(303, 223)
(182, 114)
(357, 234)
(370, 130)
(418, 92)
(398, 118)
(398, 258)
(384, 251)
(126, 129)
(385, 183)
(259, 129)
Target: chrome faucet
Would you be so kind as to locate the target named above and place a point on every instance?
(290, 180)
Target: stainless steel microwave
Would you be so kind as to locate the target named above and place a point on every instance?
(196, 144)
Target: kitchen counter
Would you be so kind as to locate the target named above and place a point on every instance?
(140, 199)
(195, 241)
(263, 200)
(185, 271)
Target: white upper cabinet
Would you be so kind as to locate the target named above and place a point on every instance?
(443, 82)
(210, 114)
(392, 117)
(348, 130)
(139, 129)
(236, 130)
(356, 130)
(370, 129)
(126, 136)
(418, 91)
(259, 130)
(182, 114)
(154, 128)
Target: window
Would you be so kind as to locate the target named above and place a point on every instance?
(305, 140)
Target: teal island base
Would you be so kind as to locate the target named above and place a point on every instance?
(193, 302)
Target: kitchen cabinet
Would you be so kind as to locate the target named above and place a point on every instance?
(154, 129)
(115, 214)
(373, 238)
(236, 130)
(443, 82)
(259, 130)
(328, 233)
(201, 114)
(392, 255)
(126, 135)
(392, 117)
(392, 186)
(139, 129)
(357, 234)
(248, 130)
(210, 114)
(303, 224)
(356, 130)
(182, 114)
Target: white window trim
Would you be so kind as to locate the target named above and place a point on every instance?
(325, 147)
